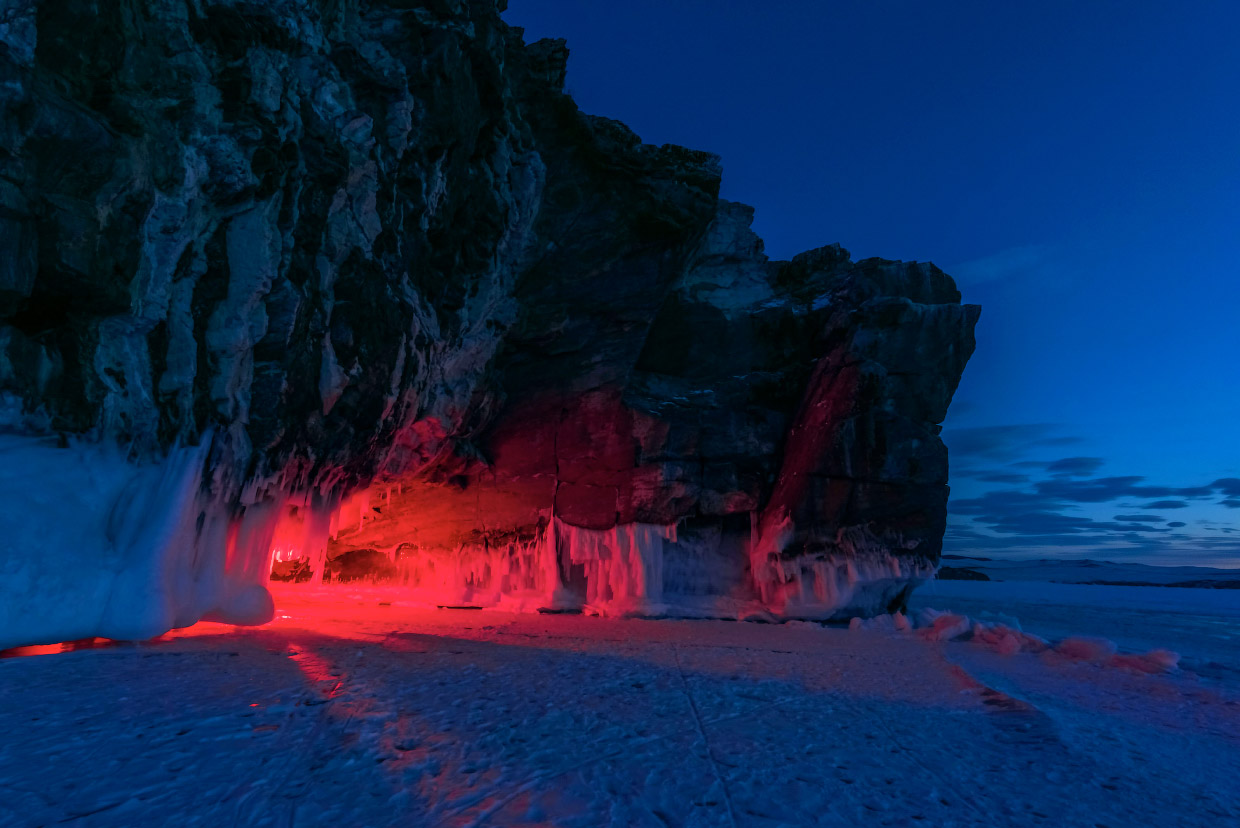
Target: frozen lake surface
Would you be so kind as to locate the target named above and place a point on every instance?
(1203, 625)
(355, 713)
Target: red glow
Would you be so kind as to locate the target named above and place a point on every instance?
(319, 672)
(37, 649)
(62, 647)
(230, 546)
(289, 537)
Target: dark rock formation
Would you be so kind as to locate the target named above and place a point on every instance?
(359, 565)
(341, 245)
(960, 573)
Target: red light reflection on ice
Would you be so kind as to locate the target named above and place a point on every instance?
(62, 647)
(320, 672)
(288, 540)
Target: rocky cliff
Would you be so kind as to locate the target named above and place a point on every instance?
(342, 281)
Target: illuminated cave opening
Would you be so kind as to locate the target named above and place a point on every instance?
(426, 558)
(161, 546)
(429, 546)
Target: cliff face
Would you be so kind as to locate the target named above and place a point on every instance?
(349, 276)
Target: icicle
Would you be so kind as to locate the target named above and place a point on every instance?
(769, 537)
(318, 528)
(623, 566)
(628, 569)
(250, 553)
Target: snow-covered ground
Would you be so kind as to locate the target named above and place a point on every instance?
(357, 713)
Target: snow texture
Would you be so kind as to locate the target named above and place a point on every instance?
(365, 711)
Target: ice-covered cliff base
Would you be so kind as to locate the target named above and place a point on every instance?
(95, 545)
(136, 549)
(647, 570)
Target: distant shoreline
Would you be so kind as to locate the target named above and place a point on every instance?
(1086, 572)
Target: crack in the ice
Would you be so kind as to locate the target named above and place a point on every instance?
(710, 753)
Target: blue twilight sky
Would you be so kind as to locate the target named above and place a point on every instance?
(1075, 165)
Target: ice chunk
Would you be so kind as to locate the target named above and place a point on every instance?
(934, 625)
(1155, 661)
(881, 623)
(1006, 640)
(1086, 648)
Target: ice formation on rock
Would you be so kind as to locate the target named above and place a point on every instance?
(96, 545)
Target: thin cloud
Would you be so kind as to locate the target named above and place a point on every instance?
(1075, 466)
(1167, 547)
(1104, 489)
(1059, 441)
(1003, 478)
(1001, 442)
(1058, 523)
(1021, 262)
